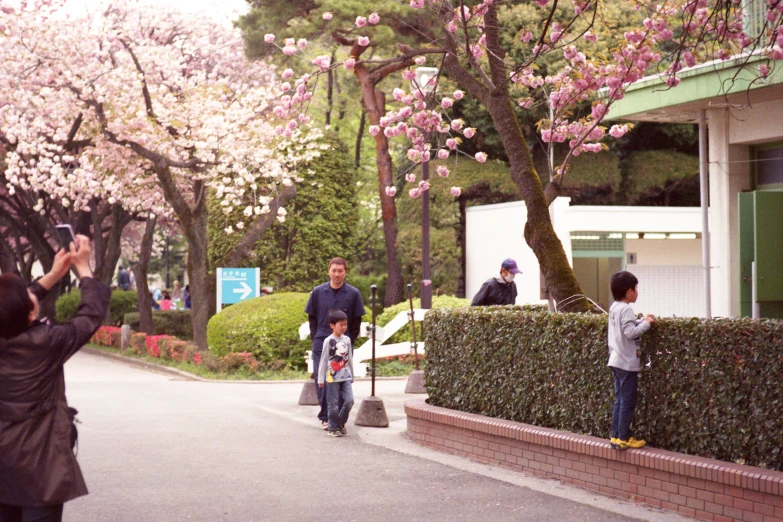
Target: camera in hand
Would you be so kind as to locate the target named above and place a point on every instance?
(66, 236)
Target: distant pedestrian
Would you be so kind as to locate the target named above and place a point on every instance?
(123, 279)
(335, 294)
(624, 351)
(166, 303)
(186, 297)
(176, 294)
(335, 373)
(38, 469)
(501, 289)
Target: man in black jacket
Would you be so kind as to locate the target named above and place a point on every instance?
(501, 289)
(38, 470)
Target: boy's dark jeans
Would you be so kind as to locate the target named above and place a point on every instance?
(41, 514)
(339, 397)
(625, 383)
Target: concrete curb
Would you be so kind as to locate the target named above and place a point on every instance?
(159, 368)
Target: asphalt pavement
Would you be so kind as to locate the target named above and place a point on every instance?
(157, 447)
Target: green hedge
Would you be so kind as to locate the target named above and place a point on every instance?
(177, 323)
(122, 302)
(267, 327)
(710, 387)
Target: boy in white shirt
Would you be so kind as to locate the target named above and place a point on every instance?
(335, 371)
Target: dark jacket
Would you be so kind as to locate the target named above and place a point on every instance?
(322, 299)
(493, 292)
(37, 464)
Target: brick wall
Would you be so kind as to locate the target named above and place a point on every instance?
(697, 487)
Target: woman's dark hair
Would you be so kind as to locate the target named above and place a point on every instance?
(15, 306)
(166, 295)
(621, 282)
(335, 316)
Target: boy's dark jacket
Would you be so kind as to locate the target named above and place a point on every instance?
(37, 464)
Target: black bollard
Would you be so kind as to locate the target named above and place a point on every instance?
(372, 412)
(415, 382)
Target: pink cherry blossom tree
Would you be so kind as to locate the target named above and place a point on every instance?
(466, 38)
(170, 106)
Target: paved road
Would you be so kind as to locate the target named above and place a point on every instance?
(158, 448)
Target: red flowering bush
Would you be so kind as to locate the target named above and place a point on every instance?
(153, 344)
(138, 343)
(107, 336)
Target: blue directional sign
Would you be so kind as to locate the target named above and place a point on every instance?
(235, 285)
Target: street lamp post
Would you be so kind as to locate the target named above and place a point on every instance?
(425, 80)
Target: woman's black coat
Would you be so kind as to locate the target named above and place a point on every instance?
(37, 464)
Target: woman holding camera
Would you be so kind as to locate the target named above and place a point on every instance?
(38, 469)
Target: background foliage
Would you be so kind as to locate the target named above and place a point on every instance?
(320, 224)
(709, 387)
(176, 323)
(122, 302)
(267, 327)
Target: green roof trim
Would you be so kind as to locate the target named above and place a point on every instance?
(703, 82)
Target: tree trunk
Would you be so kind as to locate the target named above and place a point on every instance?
(357, 153)
(196, 234)
(375, 104)
(140, 272)
(539, 232)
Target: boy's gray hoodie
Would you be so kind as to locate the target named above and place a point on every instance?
(624, 333)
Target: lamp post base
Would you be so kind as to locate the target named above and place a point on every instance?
(415, 382)
(308, 397)
(372, 413)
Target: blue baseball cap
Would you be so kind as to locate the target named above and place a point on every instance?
(510, 265)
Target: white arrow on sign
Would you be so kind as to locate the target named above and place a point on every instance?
(245, 290)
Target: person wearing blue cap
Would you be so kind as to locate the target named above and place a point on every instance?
(501, 289)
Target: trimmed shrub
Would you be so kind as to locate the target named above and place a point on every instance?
(267, 327)
(138, 343)
(709, 387)
(107, 336)
(177, 323)
(122, 302)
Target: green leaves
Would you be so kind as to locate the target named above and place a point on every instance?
(709, 388)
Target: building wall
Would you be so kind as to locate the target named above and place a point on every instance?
(665, 251)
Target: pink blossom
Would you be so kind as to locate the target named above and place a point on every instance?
(302, 43)
(288, 73)
(322, 62)
(451, 143)
(414, 192)
(526, 36)
(451, 27)
(364, 41)
(443, 153)
(327, 15)
(446, 103)
(457, 124)
(408, 74)
(374, 130)
(526, 103)
(412, 133)
(455, 191)
(374, 19)
(618, 131)
(764, 70)
(443, 171)
(269, 38)
(361, 21)
(410, 177)
(285, 87)
(289, 50)
(590, 37)
(414, 155)
(350, 63)
(420, 60)
(458, 95)
(542, 3)
(481, 157)
(398, 93)
(391, 191)
(469, 132)
(424, 185)
(417, 4)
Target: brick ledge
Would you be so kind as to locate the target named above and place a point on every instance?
(746, 477)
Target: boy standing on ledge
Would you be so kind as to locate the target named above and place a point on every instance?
(624, 350)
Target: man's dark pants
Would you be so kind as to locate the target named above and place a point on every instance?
(323, 416)
(42, 514)
(625, 384)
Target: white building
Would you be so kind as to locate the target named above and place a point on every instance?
(660, 245)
